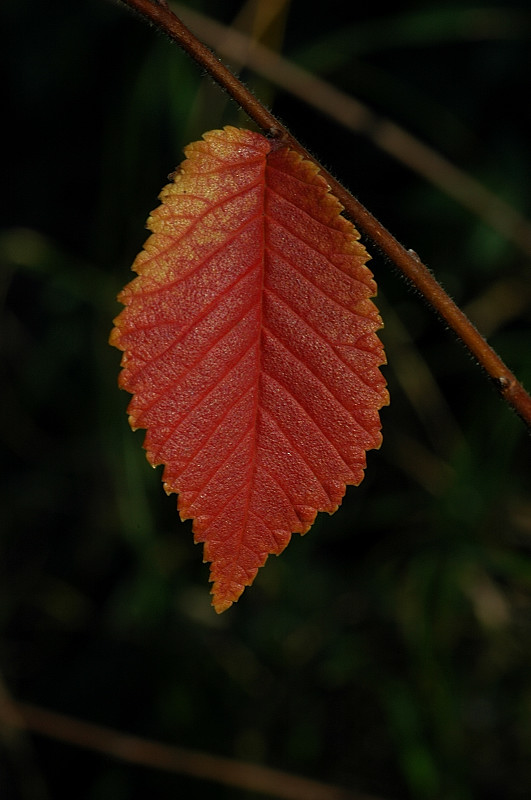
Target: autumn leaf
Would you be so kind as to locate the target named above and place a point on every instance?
(250, 349)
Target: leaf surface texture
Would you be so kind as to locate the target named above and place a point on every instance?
(250, 348)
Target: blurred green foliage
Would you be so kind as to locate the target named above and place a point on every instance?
(390, 649)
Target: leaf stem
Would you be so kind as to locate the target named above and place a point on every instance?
(406, 261)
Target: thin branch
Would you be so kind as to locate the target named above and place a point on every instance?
(17, 750)
(356, 116)
(405, 260)
(179, 760)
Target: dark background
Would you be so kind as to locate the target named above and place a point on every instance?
(389, 650)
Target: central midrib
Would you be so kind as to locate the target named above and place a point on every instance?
(256, 410)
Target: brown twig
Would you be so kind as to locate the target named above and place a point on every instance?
(194, 763)
(356, 116)
(406, 261)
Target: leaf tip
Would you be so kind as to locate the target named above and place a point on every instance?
(220, 605)
(224, 595)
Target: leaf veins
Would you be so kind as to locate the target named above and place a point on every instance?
(250, 348)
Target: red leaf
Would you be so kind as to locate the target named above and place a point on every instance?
(250, 350)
